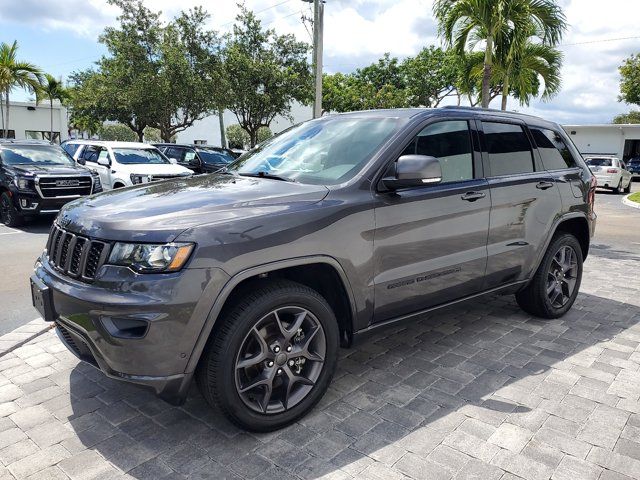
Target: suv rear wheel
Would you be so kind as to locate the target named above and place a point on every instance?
(554, 287)
(272, 358)
(8, 213)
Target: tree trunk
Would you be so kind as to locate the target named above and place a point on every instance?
(51, 128)
(253, 137)
(2, 112)
(486, 76)
(140, 133)
(505, 94)
(223, 137)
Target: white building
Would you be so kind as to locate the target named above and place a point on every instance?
(30, 121)
(623, 141)
(207, 130)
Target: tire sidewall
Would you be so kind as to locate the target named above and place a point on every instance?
(564, 240)
(226, 391)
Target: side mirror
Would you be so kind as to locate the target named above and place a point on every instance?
(81, 161)
(414, 171)
(104, 162)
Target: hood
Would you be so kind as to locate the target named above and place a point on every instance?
(159, 212)
(48, 169)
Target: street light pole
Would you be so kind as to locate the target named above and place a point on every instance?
(318, 27)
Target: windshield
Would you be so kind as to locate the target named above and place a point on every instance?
(35, 155)
(216, 158)
(599, 162)
(130, 156)
(325, 152)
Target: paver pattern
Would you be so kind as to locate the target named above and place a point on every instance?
(480, 390)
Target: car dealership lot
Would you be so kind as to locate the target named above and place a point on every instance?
(479, 389)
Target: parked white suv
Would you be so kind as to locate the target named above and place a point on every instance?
(610, 172)
(122, 164)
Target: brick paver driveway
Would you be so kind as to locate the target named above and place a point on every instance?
(477, 391)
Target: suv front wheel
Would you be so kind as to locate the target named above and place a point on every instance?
(554, 287)
(8, 213)
(272, 358)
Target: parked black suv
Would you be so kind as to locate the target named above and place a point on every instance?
(199, 158)
(249, 281)
(39, 178)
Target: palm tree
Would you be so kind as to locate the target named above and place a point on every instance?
(522, 72)
(465, 23)
(52, 89)
(15, 73)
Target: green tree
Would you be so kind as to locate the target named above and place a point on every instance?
(264, 133)
(632, 117)
(117, 132)
(265, 74)
(465, 23)
(52, 89)
(630, 80)
(237, 136)
(15, 73)
(158, 75)
(431, 76)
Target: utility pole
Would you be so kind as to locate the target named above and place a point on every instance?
(318, 27)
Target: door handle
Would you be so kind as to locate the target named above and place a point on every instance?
(472, 196)
(544, 185)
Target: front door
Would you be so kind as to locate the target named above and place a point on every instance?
(430, 242)
(90, 155)
(525, 201)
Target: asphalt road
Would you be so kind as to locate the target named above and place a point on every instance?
(617, 236)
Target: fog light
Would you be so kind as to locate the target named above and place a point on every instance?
(26, 204)
(125, 327)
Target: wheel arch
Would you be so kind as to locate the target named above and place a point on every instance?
(322, 273)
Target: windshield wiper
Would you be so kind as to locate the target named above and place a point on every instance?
(268, 175)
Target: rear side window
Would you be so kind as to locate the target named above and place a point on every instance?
(90, 153)
(70, 148)
(449, 142)
(555, 153)
(508, 148)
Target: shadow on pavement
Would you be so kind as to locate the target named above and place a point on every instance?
(404, 390)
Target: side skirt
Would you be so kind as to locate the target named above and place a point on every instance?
(362, 335)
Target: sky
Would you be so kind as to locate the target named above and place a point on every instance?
(62, 36)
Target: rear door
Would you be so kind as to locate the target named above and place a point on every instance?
(90, 154)
(430, 241)
(524, 201)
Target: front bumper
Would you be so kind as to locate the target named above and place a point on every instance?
(31, 204)
(175, 307)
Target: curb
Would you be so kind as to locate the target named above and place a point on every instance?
(629, 203)
(24, 334)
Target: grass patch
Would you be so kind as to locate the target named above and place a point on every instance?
(635, 197)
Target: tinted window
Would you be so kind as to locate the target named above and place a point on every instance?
(508, 148)
(450, 143)
(35, 155)
(555, 153)
(90, 154)
(175, 153)
(130, 156)
(214, 158)
(599, 162)
(70, 148)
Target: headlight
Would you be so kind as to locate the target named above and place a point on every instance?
(24, 183)
(147, 258)
(97, 184)
(138, 178)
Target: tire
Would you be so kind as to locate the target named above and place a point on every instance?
(628, 188)
(535, 298)
(618, 189)
(8, 213)
(236, 390)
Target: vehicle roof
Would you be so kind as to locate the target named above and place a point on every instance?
(190, 145)
(11, 141)
(450, 111)
(112, 144)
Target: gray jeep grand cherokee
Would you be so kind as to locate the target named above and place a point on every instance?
(250, 280)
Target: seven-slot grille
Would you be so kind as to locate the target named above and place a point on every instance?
(74, 255)
(51, 187)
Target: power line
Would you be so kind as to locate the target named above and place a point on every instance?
(602, 40)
